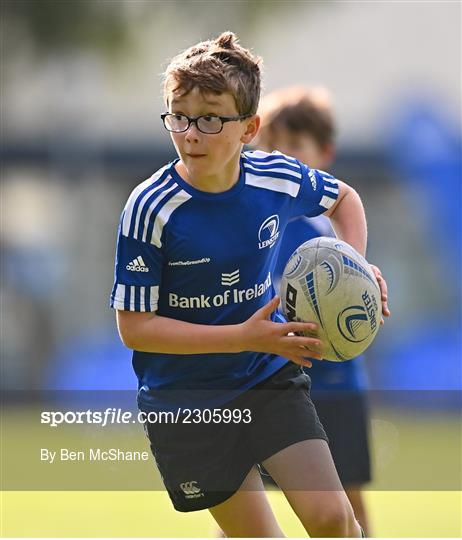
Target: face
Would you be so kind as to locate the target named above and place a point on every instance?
(303, 147)
(211, 157)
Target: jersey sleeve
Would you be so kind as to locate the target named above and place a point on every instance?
(318, 192)
(138, 269)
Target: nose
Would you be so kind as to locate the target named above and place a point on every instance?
(192, 134)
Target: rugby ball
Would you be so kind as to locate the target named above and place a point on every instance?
(328, 282)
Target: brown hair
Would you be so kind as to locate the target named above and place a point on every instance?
(297, 109)
(217, 66)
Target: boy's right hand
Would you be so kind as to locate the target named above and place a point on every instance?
(261, 334)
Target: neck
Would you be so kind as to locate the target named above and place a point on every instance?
(224, 180)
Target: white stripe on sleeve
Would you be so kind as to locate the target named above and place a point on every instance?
(164, 215)
(132, 298)
(326, 202)
(154, 297)
(119, 297)
(142, 298)
(151, 209)
(270, 156)
(273, 184)
(143, 202)
(288, 172)
(133, 198)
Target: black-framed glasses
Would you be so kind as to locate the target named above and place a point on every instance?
(207, 123)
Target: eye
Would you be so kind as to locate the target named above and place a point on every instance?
(210, 118)
(178, 116)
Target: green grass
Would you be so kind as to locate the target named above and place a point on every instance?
(150, 514)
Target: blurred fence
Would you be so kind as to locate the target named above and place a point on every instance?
(80, 100)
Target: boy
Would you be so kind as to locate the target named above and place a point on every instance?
(298, 121)
(195, 300)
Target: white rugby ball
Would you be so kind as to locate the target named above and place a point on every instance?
(328, 282)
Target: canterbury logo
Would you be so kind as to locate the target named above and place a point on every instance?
(137, 265)
(190, 488)
(230, 279)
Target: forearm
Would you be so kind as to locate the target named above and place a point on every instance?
(349, 220)
(148, 332)
(158, 334)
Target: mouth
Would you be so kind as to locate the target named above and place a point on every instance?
(195, 156)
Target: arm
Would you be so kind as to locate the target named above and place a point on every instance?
(348, 218)
(349, 223)
(148, 332)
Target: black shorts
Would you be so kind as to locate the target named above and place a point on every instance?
(345, 417)
(203, 464)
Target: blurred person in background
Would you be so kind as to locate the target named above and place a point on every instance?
(298, 121)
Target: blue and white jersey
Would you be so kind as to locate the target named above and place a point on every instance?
(209, 258)
(325, 376)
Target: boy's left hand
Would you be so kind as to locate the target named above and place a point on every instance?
(383, 291)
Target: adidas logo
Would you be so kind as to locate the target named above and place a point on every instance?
(230, 279)
(137, 265)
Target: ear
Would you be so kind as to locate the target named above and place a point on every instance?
(328, 154)
(252, 127)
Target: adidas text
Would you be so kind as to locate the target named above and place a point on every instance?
(137, 265)
(134, 268)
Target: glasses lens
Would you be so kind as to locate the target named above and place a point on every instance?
(209, 124)
(176, 122)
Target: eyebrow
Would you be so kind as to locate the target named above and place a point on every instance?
(208, 102)
(211, 102)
